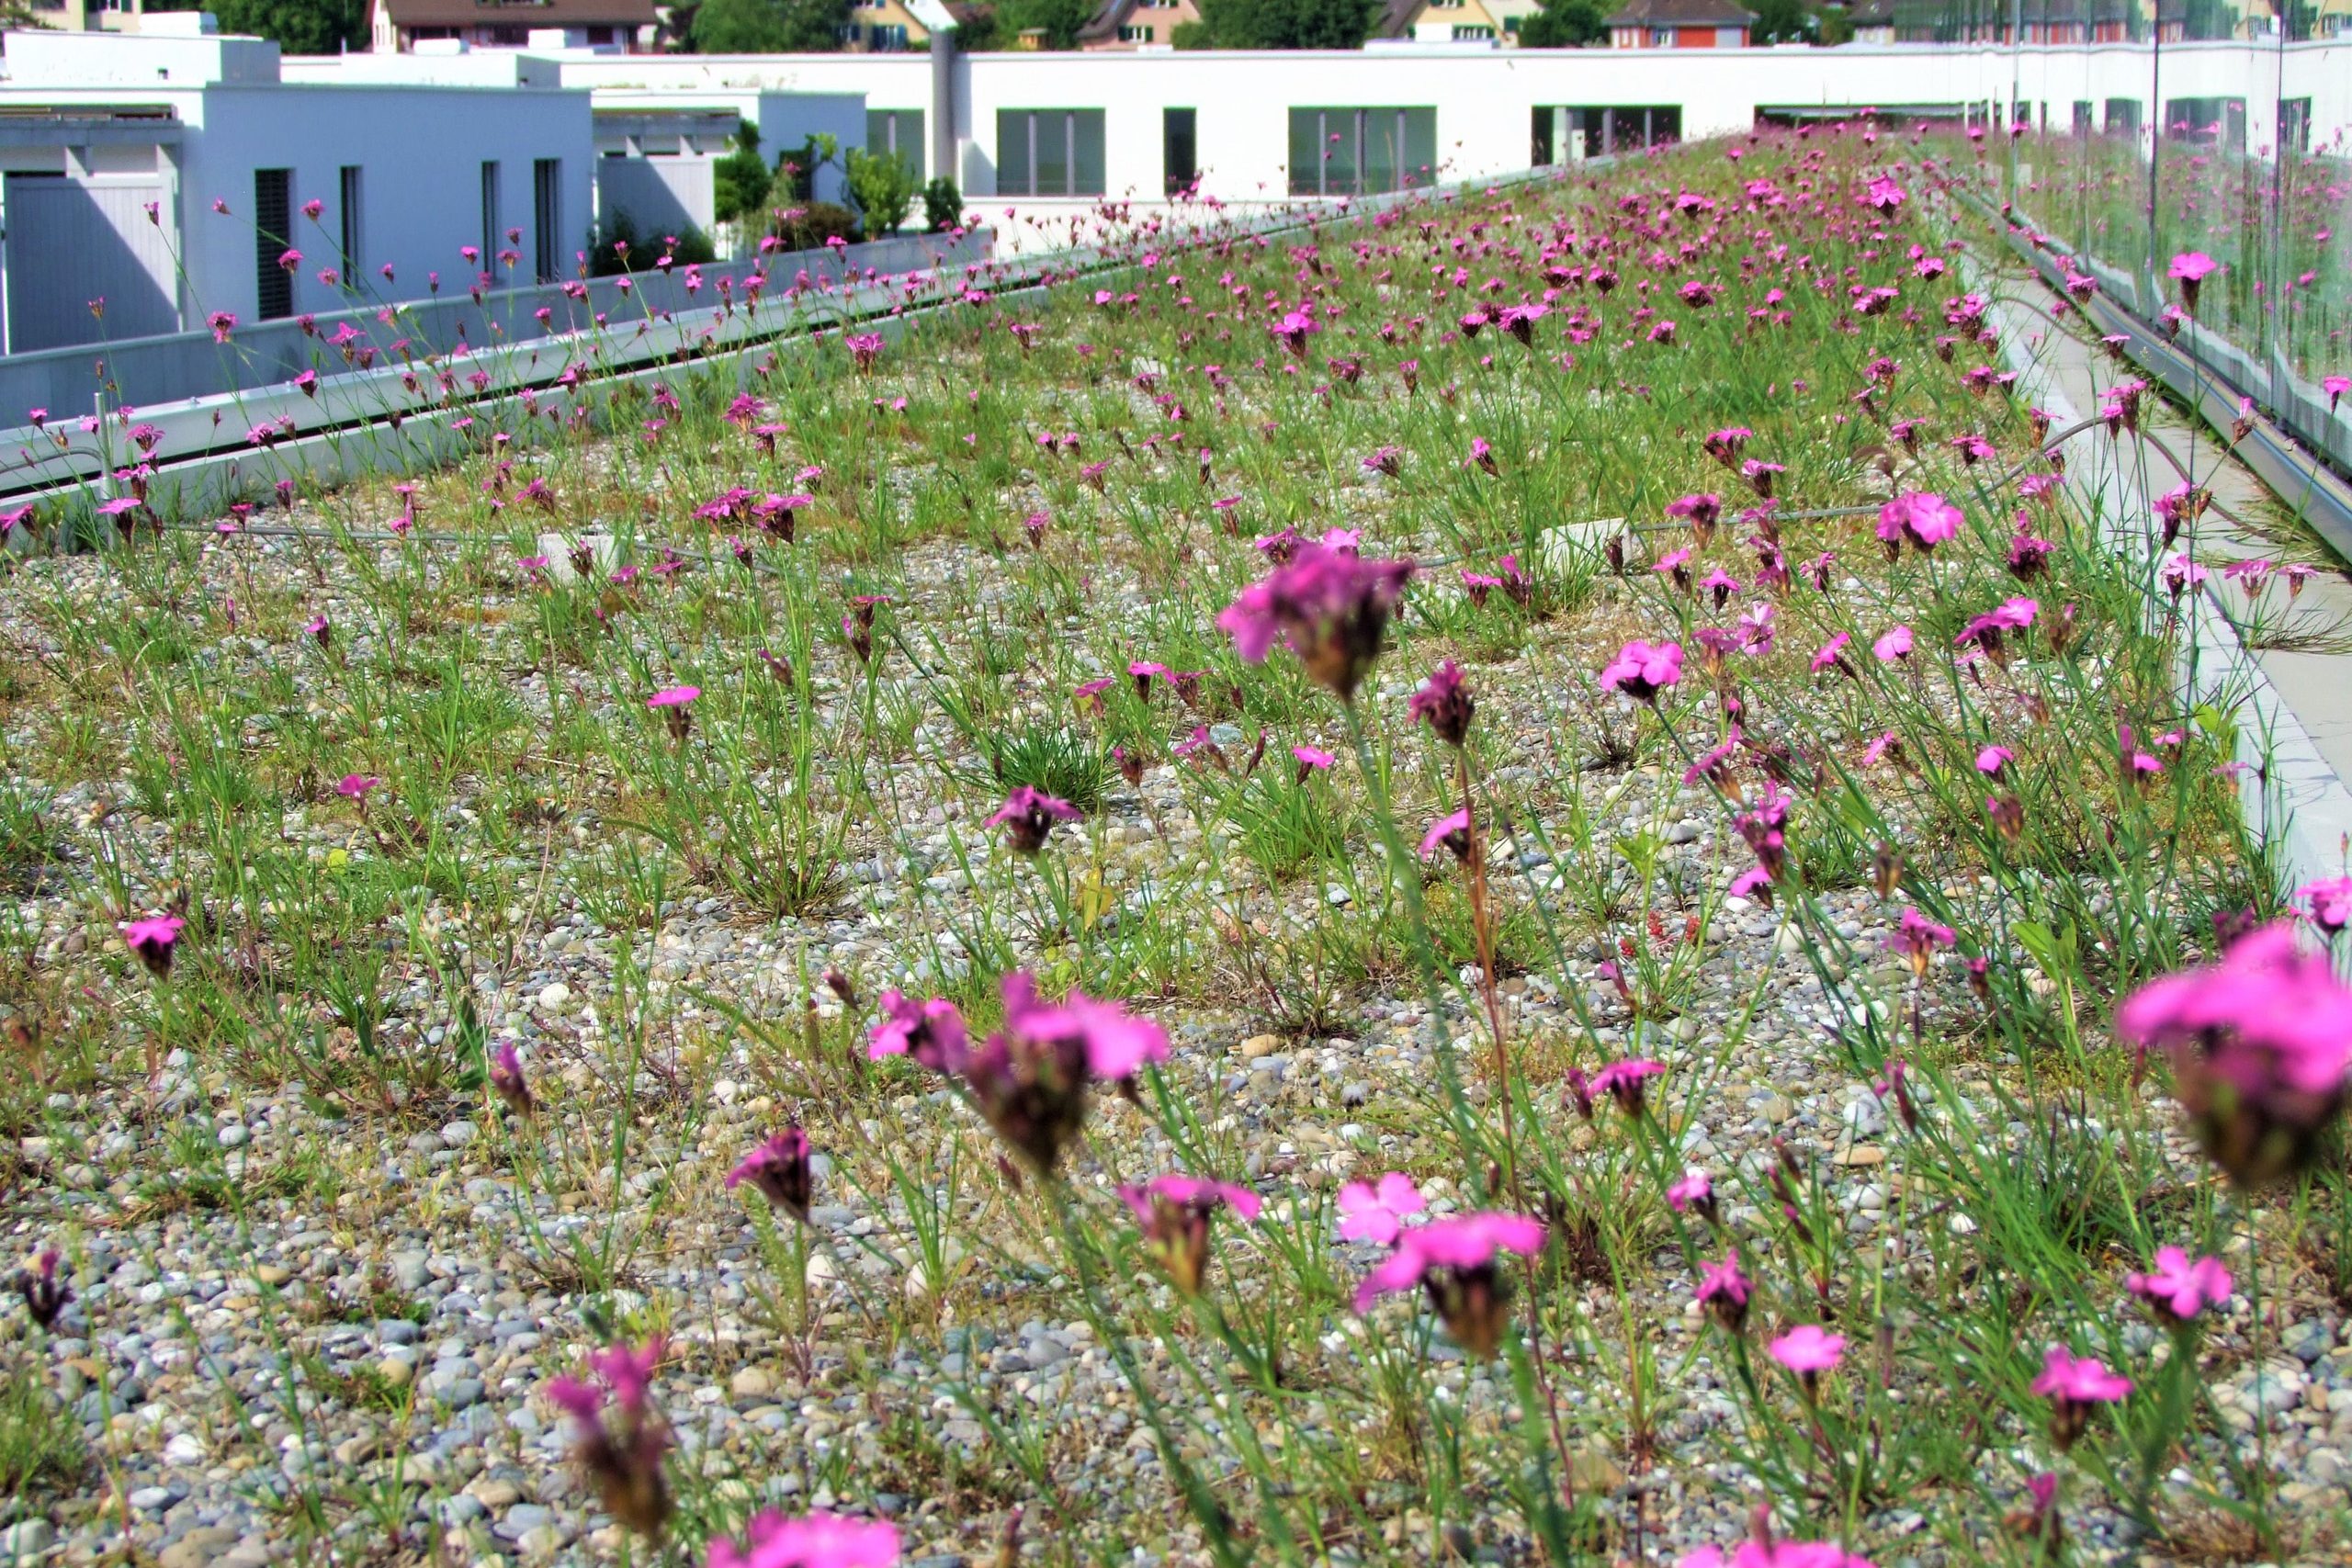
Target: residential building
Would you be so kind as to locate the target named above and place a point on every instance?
(1680, 24)
(627, 25)
(1438, 21)
(1136, 24)
(151, 180)
(89, 15)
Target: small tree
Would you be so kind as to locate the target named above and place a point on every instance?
(942, 205)
(1060, 19)
(297, 27)
(768, 26)
(740, 180)
(1782, 21)
(882, 186)
(1563, 24)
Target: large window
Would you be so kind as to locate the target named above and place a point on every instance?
(1049, 152)
(347, 212)
(1559, 134)
(273, 237)
(897, 132)
(488, 216)
(1336, 151)
(1180, 149)
(547, 216)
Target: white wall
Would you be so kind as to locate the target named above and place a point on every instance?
(1484, 99)
(420, 151)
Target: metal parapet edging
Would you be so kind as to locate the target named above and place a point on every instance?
(2295, 474)
(2298, 475)
(203, 484)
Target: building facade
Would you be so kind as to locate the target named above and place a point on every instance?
(629, 27)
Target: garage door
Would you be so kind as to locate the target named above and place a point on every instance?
(71, 242)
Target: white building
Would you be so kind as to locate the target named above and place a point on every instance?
(1039, 141)
(175, 176)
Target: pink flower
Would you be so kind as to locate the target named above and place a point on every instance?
(931, 1031)
(1921, 518)
(1918, 938)
(1312, 760)
(620, 1445)
(1723, 1291)
(152, 941)
(354, 786)
(1450, 831)
(2177, 1289)
(1444, 705)
(1623, 1081)
(1694, 1193)
(1370, 1211)
(1807, 1350)
(1174, 1211)
(1642, 670)
(1774, 1554)
(2190, 266)
(1028, 814)
(1455, 1261)
(674, 696)
(1895, 644)
(2074, 1388)
(1993, 760)
(1116, 1046)
(2331, 903)
(819, 1541)
(779, 1168)
(1831, 655)
(2258, 1042)
(1331, 608)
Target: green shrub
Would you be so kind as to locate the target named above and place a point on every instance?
(942, 205)
(607, 258)
(807, 227)
(883, 187)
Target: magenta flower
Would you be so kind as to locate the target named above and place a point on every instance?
(319, 630)
(2190, 269)
(1444, 705)
(1624, 1080)
(1807, 1351)
(1370, 1211)
(1724, 445)
(1450, 831)
(1455, 1261)
(1700, 511)
(1174, 1211)
(674, 705)
(1331, 608)
(2335, 387)
(2074, 1388)
(1831, 655)
(1312, 760)
(1994, 761)
(818, 1540)
(1920, 518)
(1918, 938)
(779, 1168)
(506, 1077)
(151, 942)
(44, 1293)
(2330, 902)
(1895, 644)
(354, 786)
(2259, 1043)
(1693, 1194)
(1027, 815)
(621, 1444)
(1723, 1292)
(2178, 1289)
(1767, 1552)
(1642, 670)
(1031, 1081)
(932, 1032)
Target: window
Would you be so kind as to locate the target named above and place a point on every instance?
(887, 39)
(347, 214)
(1341, 151)
(547, 216)
(489, 214)
(1180, 149)
(599, 37)
(899, 132)
(1049, 152)
(2295, 124)
(273, 221)
(1466, 32)
(1597, 129)
(1661, 37)
(1135, 34)
(2084, 124)
(2122, 116)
